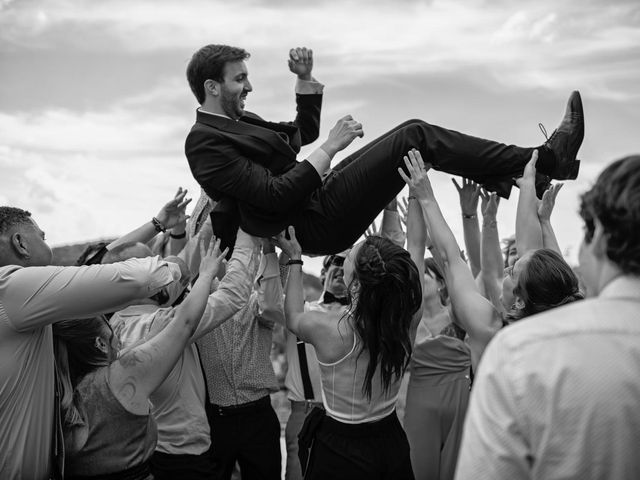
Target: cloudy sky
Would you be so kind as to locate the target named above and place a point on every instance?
(94, 105)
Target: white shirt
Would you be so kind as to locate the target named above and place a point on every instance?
(31, 299)
(557, 395)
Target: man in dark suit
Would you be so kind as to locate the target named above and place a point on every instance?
(249, 167)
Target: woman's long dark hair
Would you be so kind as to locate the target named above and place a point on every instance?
(388, 296)
(546, 282)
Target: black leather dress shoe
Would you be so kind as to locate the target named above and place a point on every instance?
(565, 141)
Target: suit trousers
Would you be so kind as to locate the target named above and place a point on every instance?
(250, 437)
(360, 186)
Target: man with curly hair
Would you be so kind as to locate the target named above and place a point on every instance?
(558, 395)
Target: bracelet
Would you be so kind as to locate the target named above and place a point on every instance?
(158, 226)
(178, 236)
(295, 262)
(473, 215)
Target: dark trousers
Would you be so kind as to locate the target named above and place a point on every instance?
(363, 183)
(369, 451)
(168, 467)
(249, 435)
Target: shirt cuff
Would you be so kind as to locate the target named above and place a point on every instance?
(309, 87)
(317, 157)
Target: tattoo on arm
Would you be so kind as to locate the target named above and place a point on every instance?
(128, 390)
(134, 358)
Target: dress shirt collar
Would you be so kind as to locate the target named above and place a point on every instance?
(200, 109)
(624, 286)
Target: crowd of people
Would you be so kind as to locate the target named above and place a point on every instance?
(151, 357)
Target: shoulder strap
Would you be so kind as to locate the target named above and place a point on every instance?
(304, 370)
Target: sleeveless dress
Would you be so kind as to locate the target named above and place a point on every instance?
(437, 399)
(359, 438)
(118, 441)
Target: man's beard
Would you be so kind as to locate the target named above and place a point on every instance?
(231, 105)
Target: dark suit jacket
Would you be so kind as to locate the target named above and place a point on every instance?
(249, 167)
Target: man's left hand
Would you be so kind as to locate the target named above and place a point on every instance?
(301, 62)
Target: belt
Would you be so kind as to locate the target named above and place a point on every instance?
(141, 471)
(305, 405)
(243, 408)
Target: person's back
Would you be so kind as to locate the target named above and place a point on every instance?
(343, 396)
(581, 397)
(108, 423)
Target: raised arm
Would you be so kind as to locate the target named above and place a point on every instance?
(235, 288)
(416, 243)
(492, 269)
(220, 166)
(172, 214)
(39, 296)
(308, 326)
(270, 294)
(474, 313)
(528, 231)
(469, 194)
(138, 372)
(545, 207)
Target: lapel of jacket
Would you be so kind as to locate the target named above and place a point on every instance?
(245, 128)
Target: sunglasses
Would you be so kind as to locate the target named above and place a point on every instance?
(334, 260)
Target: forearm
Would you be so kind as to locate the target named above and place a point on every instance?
(294, 298)
(440, 232)
(38, 296)
(233, 292)
(190, 311)
(142, 234)
(549, 239)
(471, 231)
(528, 231)
(491, 256)
(270, 295)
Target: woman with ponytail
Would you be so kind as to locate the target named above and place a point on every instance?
(109, 432)
(363, 354)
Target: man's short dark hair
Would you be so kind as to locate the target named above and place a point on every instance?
(208, 63)
(615, 201)
(12, 216)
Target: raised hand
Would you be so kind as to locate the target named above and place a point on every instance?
(290, 245)
(469, 194)
(211, 258)
(174, 211)
(545, 206)
(342, 134)
(529, 175)
(489, 203)
(417, 180)
(301, 62)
